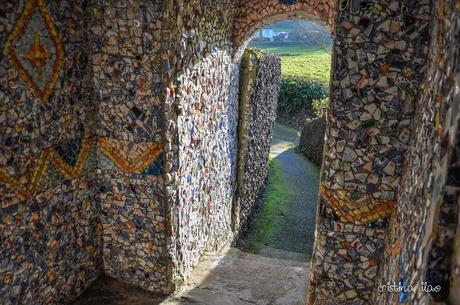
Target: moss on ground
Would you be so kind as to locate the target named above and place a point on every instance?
(277, 196)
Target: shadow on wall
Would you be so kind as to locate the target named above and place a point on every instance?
(444, 255)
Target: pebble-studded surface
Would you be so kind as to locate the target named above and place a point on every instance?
(50, 246)
(260, 77)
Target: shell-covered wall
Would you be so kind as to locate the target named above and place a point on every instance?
(126, 37)
(311, 142)
(260, 77)
(81, 173)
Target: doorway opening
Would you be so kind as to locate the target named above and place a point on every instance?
(285, 223)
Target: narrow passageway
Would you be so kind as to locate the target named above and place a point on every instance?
(281, 241)
(286, 224)
(277, 269)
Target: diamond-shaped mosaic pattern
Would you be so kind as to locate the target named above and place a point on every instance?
(35, 50)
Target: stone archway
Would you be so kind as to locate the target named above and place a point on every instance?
(251, 16)
(367, 133)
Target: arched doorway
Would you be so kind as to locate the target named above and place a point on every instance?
(284, 210)
(250, 19)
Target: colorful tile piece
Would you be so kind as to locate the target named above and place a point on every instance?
(361, 209)
(26, 186)
(130, 157)
(156, 167)
(70, 157)
(35, 50)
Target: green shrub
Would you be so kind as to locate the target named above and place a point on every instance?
(297, 94)
(320, 106)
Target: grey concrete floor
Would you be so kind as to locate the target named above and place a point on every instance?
(230, 277)
(238, 278)
(301, 177)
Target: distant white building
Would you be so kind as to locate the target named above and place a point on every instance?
(271, 35)
(281, 35)
(267, 34)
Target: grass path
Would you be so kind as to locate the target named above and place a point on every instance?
(287, 219)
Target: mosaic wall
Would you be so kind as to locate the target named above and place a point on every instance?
(201, 111)
(252, 15)
(126, 80)
(80, 181)
(420, 239)
(118, 153)
(49, 229)
(311, 142)
(378, 65)
(260, 77)
(54, 149)
(454, 272)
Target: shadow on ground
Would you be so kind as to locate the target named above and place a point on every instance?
(108, 291)
(231, 277)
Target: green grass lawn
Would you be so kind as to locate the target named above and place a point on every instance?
(301, 61)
